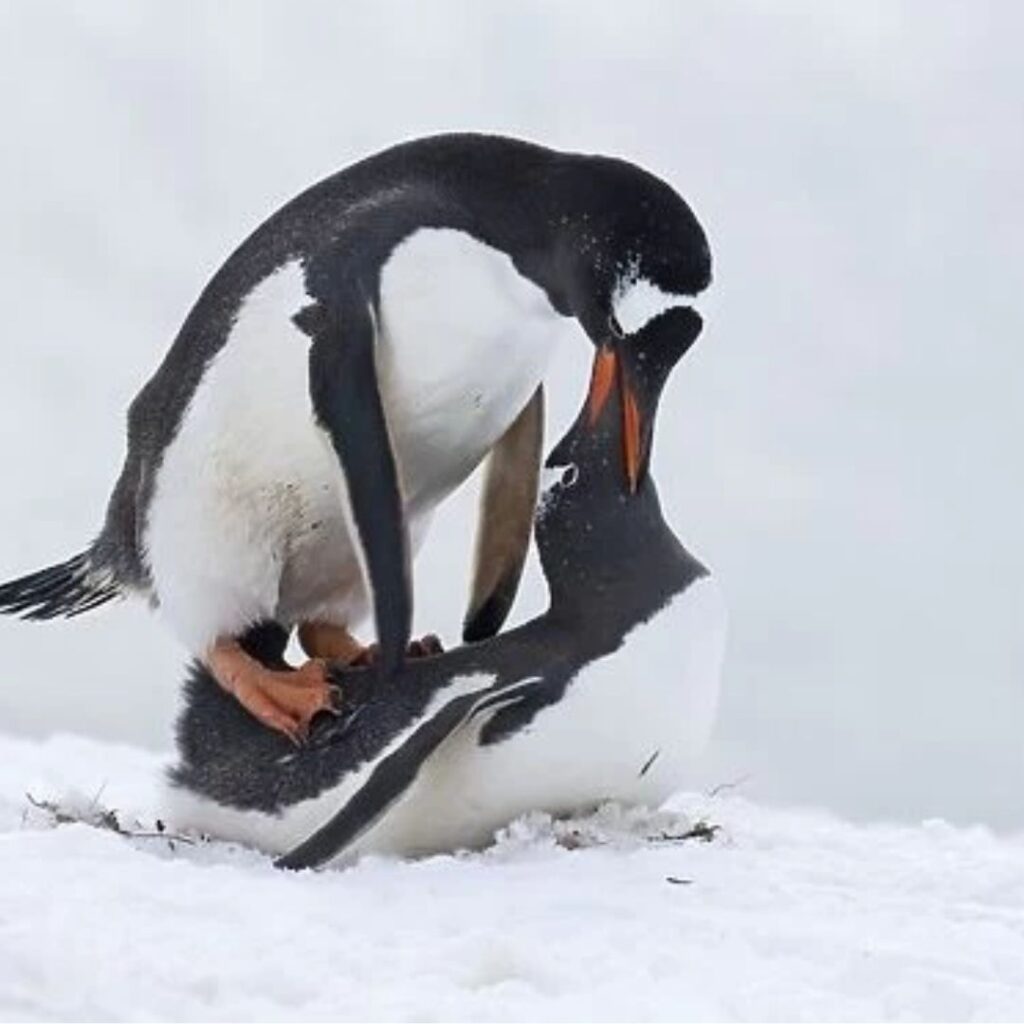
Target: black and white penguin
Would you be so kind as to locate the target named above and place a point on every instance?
(348, 367)
(608, 695)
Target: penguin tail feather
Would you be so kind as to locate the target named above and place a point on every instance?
(60, 591)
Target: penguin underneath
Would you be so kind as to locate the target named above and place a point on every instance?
(345, 370)
(609, 694)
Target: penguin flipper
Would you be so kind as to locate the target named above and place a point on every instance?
(506, 517)
(347, 403)
(394, 773)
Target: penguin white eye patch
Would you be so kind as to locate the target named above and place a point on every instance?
(638, 301)
(565, 475)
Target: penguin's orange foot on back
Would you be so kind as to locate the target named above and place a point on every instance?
(330, 642)
(426, 647)
(336, 643)
(286, 701)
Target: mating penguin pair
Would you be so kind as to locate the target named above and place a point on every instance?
(344, 371)
(608, 695)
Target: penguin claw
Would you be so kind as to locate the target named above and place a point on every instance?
(426, 647)
(334, 702)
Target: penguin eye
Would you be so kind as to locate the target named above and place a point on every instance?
(615, 327)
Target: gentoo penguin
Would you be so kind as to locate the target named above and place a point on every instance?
(346, 368)
(608, 695)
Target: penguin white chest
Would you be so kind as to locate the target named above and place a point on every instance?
(628, 728)
(247, 523)
(464, 341)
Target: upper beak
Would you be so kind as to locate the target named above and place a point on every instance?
(609, 370)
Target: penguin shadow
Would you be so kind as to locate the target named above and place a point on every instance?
(611, 563)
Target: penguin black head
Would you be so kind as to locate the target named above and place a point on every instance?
(632, 250)
(622, 403)
(590, 527)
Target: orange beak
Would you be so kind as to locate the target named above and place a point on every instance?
(608, 371)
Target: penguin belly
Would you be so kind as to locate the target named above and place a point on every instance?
(628, 728)
(465, 341)
(248, 519)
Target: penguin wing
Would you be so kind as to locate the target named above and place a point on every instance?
(397, 768)
(347, 403)
(506, 517)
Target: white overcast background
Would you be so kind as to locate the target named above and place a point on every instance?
(843, 445)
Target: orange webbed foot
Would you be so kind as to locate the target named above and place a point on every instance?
(336, 643)
(425, 647)
(286, 701)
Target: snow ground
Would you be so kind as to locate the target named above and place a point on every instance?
(791, 915)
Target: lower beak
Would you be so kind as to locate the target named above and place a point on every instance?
(608, 371)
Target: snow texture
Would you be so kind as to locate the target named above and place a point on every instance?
(791, 915)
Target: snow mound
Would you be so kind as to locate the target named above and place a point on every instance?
(712, 908)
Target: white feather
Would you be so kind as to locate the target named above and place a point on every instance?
(589, 747)
(636, 301)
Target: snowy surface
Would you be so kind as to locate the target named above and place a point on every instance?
(782, 915)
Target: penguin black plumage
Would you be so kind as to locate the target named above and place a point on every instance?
(608, 695)
(346, 368)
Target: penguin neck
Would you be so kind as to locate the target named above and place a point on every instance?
(505, 193)
(494, 215)
(599, 544)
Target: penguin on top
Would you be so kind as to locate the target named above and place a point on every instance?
(347, 367)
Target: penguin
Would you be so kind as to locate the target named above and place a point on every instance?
(348, 366)
(610, 694)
